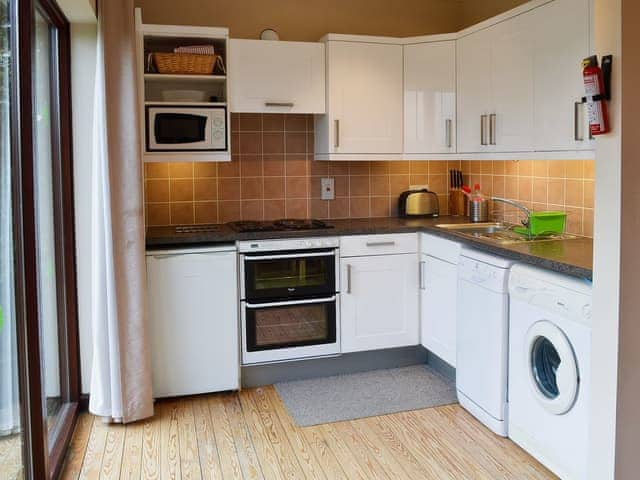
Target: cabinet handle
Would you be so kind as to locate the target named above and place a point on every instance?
(447, 126)
(381, 244)
(336, 142)
(577, 130)
(492, 128)
(483, 136)
(421, 275)
(348, 279)
(279, 104)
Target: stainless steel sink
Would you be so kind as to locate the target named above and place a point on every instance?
(499, 233)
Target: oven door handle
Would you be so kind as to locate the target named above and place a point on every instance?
(295, 302)
(255, 258)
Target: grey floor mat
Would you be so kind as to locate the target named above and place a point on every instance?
(366, 394)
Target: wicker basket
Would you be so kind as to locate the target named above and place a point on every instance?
(184, 63)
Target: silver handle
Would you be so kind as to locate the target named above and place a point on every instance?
(381, 244)
(349, 279)
(577, 130)
(447, 125)
(492, 128)
(255, 258)
(421, 275)
(336, 142)
(284, 304)
(279, 104)
(483, 136)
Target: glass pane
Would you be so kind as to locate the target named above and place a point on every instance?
(293, 325)
(545, 361)
(45, 226)
(304, 272)
(11, 464)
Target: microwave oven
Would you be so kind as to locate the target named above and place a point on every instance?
(186, 128)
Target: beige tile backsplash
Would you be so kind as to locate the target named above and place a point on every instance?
(273, 175)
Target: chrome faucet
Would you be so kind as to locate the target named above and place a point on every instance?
(519, 206)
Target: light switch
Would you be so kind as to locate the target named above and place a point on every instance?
(327, 186)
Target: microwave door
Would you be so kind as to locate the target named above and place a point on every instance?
(180, 128)
(184, 129)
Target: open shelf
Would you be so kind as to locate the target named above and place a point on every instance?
(191, 104)
(166, 77)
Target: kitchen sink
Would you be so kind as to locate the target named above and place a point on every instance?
(500, 233)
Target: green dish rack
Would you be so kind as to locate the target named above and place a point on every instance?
(544, 223)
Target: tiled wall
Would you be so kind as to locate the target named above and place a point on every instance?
(565, 185)
(273, 175)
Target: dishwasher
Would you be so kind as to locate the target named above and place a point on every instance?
(482, 339)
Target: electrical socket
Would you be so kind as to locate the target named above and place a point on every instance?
(327, 188)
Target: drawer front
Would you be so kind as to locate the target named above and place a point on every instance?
(361, 245)
(439, 247)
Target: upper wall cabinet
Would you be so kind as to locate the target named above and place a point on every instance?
(495, 88)
(561, 43)
(364, 102)
(277, 77)
(430, 97)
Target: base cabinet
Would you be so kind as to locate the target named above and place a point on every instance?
(379, 302)
(193, 321)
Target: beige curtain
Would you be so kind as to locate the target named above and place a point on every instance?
(121, 367)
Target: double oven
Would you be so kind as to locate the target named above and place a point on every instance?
(290, 299)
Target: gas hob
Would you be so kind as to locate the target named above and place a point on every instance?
(285, 224)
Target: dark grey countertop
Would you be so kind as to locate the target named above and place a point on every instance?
(572, 257)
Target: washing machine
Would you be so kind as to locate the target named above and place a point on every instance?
(549, 368)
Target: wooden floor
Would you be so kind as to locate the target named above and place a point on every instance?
(250, 435)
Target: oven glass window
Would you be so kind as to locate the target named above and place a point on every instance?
(283, 278)
(178, 128)
(290, 326)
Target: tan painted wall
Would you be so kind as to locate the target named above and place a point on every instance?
(309, 20)
(474, 11)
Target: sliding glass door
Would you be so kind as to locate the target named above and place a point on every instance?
(11, 438)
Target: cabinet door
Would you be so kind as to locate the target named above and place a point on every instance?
(438, 301)
(560, 120)
(379, 302)
(364, 97)
(511, 115)
(430, 97)
(193, 321)
(278, 77)
(474, 92)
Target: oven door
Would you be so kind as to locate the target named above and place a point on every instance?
(278, 331)
(289, 276)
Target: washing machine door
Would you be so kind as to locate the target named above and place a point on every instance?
(552, 367)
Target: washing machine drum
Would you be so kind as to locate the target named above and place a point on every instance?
(552, 367)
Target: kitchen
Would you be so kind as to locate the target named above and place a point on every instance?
(341, 226)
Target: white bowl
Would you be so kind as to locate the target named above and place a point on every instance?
(184, 96)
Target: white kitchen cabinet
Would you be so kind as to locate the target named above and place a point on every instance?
(277, 77)
(364, 101)
(495, 88)
(430, 97)
(438, 296)
(193, 320)
(379, 302)
(562, 42)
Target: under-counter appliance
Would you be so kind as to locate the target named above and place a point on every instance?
(186, 128)
(482, 337)
(289, 292)
(418, 203)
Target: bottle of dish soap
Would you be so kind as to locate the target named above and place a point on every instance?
(478, 206)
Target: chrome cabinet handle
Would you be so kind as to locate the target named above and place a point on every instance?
(349, 279)
(421, 278)
(380, 244)
(279, 104)
(336, 142)
(492, 128)
(577, 130)
(447, 125)
(483, 136)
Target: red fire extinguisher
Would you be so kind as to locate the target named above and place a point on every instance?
(596, 95)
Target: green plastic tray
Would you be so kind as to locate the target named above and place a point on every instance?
(544, 223)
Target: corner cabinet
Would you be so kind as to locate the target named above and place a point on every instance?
(379, 292)
(277, 77)
(430, 97)
(193, 320)
(364, 102)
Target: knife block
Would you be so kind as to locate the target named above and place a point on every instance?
(457, 202)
